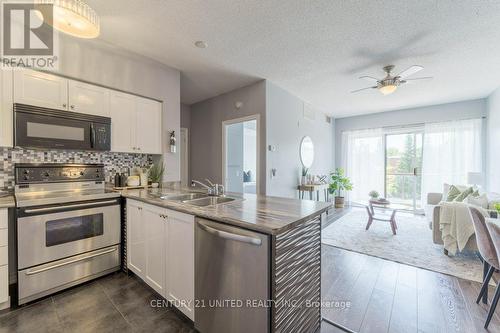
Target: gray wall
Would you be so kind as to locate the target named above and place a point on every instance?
(101, 63)
(286, 126)
(186, 123)
(206, 130)
(493, 150)
(435, 113)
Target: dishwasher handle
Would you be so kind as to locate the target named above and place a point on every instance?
(230, 235)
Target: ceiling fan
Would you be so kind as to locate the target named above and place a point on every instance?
(390, 83)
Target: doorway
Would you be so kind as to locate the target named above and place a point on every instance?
(240, 145)
(403, 165)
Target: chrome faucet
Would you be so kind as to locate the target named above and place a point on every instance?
(212, 189)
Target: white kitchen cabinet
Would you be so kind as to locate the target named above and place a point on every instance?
(123, 123)
(135, 124)
(180, 254)
(88, 98)
(40, 89)
(136, 239)
(4, 267)
(6, 110)
(160, 250)
(148, 115)
(154, 221)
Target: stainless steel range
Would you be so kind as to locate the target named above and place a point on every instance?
(68, 227)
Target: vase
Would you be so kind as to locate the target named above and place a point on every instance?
(339, 202)
(154, 185)
(303, 180)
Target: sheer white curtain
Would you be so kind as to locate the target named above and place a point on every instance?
(363, 162)
(451, 150)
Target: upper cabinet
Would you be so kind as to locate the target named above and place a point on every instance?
(123, 125)
(88, 98)
(135, 124)
(148, 132)
(41, 89)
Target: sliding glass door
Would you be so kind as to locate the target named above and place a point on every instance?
(403, 165)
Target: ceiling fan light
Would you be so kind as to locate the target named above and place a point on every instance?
(74, 17)
(388, 89)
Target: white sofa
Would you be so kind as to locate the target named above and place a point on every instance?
(432, 212)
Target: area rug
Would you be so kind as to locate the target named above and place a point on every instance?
(412, 245)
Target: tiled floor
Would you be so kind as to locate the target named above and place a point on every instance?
(116, 303)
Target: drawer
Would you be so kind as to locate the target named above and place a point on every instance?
(4, 284)
(4, 255)
(4, 218)
(3, 237)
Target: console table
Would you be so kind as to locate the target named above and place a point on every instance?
(311, 188)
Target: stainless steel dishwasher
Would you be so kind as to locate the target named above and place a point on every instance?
(232, 275)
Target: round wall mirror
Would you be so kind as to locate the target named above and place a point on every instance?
(306, 152)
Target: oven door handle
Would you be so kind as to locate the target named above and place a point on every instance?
(36, 271)
(83, 205)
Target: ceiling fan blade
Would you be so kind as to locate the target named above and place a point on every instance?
(368, 77)
(355, 91)
(410, 71)
(417, 79)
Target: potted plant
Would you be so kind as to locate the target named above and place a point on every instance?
(373, 195)
(156, 174)
(339, 182)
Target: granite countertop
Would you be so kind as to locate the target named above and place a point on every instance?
(270, 215)
(7, 202)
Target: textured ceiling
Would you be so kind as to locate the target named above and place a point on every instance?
(316, 49)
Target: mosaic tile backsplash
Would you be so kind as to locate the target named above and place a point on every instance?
(113, 162)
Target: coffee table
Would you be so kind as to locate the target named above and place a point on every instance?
(373, 205)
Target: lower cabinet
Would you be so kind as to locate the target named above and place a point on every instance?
(160, 250)
(4, 268)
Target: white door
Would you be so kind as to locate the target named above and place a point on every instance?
(40, 89)
(123, 123)
(6, 112)
(148, 126)
(136, 239)
(155, 223)
(89, 99)
(180, 268)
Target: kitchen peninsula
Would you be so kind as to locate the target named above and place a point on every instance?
(261, 253)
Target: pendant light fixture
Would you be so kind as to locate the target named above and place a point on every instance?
(73, 17)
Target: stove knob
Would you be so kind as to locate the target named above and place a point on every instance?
(81, 173)
(26, 172)
(46, 174)
(25, 177)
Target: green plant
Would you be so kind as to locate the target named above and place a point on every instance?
(373, 194)
(339, 182)
(497, 206)
(156, 172)
(304, 171)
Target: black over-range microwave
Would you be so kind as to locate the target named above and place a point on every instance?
(37, 127)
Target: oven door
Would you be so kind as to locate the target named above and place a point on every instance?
(49, 233)
(45, 131)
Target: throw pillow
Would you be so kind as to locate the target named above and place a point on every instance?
(481, 201)
(461, 197)
(453, 192)
(476, 194)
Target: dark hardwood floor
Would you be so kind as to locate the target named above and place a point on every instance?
(384, 296)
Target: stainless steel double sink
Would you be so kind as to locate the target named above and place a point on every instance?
(195, 199)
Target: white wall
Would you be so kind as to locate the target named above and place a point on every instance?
(286, 126)
(97, 62)
(493, 152)
(435, 113)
